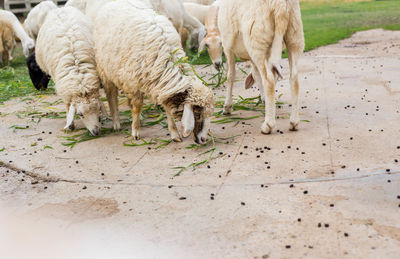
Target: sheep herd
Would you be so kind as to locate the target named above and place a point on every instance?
(137, 47)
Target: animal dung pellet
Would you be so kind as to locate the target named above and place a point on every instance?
(387, 170)
(84, 187)
(305, 192)
(242, 203)
(332, 205)
(170, 186)
(77, 162)
(319, 225)
(182, 198)
(291, 186)
(287, 246)
(326, 225)
(299, 219)
(346, 234)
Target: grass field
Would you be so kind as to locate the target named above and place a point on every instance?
(325, 22)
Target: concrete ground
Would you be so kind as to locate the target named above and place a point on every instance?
(329, 190)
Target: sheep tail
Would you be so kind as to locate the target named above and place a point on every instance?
(281, 21)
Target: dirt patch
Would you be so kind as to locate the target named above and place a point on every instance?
(78, 210)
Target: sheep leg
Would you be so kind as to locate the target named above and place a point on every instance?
(72, 126)
(136, 108)
(294, 86)
(173, 130)
(112, 98)
(7, 58)
(230, 60)
(268, 82)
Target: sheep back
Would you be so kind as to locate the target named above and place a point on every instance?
(65, 52)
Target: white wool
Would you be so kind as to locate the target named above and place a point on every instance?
(27, 43)
(65, 52)
(36, 18)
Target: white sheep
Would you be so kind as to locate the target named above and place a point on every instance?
(144, 57)
(64, 50)
(27, 43)
(36, 18)
(7, 41)
(212, 41)
(255, 31)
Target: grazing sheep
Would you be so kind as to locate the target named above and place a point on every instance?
(212, 41)
(254, 30)
(143, 57)
(27, 43)
(36, 18)
(64, 50)
(6, 42)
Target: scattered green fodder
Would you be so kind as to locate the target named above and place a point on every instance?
(211, 148)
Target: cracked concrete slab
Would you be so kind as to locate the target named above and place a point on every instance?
(329, 190)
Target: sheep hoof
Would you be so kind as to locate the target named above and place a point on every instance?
(294, 126)
(266, 129)
(227, 109)
(117, 126)
(177, 139)
(135, 134)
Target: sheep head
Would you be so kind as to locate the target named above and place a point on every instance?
(88, 110)
(195, 106)
(213, 44)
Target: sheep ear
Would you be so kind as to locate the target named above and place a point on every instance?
(249, 81)
(201, 47)
(187, 120)
(70, 116)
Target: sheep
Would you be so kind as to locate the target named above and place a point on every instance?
(64, 50)
(212, 41)
(36, 18)
(254, 30)
(144, 57)
(6, 42)
(27, 43)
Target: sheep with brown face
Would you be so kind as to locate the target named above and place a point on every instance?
(143, 58)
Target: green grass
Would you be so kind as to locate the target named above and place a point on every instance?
(15, 80)
(327, 22)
